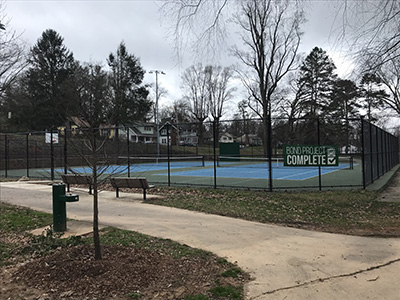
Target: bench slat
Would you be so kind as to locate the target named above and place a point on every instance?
(77, 179)
(130, 182)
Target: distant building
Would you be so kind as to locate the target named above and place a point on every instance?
(249, 140)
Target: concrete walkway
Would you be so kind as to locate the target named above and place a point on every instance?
(286, 263)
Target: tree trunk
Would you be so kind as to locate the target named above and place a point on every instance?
(96, 237)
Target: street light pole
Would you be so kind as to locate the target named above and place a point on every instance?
(156, 117)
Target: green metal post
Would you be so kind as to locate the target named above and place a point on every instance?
(59, 208)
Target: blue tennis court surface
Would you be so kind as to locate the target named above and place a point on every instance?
(283, 173)
(227, 170)
(139, 168)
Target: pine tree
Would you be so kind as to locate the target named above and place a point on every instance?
(373, 94)
(50, 81)
(317, 80)
(129, 97)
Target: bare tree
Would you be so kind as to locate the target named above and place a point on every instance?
(196, 93)
(177, 112)
(373, 28)
(12, 54)
(389, 75)
(271, 36)
(220, 91)
(197, 25)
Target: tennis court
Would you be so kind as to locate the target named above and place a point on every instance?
(228, 172)
(260, 172)
(250, 173)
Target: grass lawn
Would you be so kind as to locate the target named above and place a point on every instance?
(134, 265)
(348, 212)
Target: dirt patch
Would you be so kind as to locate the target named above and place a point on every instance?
(392, 192)
(123, 273)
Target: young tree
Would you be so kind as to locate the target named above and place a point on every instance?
(94, 96)
(129, 98)
(271, 35)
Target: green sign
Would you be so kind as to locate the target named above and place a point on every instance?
(310, 155)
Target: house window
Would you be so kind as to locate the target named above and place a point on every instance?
(163, 141)
(147, 128)
(164, 132)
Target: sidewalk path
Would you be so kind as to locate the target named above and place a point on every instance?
(286, 263)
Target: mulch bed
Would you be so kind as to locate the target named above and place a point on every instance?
(122, 273)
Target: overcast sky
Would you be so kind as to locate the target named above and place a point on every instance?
(94, 29)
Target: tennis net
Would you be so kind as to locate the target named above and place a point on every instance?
(249, 162)
(175, 161)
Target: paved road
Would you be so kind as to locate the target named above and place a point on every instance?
(286, 263)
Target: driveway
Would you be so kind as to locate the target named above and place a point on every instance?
(285, 263)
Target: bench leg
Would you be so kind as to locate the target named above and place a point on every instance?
(117, 192)
(90, 189)
(144, 194)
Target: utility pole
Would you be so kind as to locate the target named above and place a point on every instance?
(156, 117)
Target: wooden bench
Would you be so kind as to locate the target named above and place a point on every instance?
(130, 182)
(77, 179)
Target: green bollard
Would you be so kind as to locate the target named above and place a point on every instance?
(59, 209)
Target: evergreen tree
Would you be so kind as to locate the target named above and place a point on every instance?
(344, 106)
(50, 85)
(129, 98)
(316, 80)
(373, 94)
(93, 94)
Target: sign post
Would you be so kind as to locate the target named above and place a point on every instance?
(310, 156)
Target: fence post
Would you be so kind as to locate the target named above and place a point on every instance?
(65, 151)
(319, 144)
(215, 156)
(51, 155)
(27, 155)
(168, 156)
(6, 155)
(363, 153)
(371, 152)
(128, 151)
(269, 149)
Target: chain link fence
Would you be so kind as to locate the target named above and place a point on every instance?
(239, 153)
